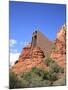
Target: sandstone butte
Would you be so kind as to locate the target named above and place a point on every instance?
(33, 57)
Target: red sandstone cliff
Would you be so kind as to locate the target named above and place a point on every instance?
(29, 58)
(59, 50)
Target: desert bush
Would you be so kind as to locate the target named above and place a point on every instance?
(12, 80)
(16, 82)
(38, 71)
(24, 83)
(48, 61)
(29, 76)
(51, 76)
(54, 67)
(61, 70)
(35, 78)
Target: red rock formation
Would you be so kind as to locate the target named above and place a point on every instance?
(33, 57)
(26, 53)
(59, 52)
(29, 58)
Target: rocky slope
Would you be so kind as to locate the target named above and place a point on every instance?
(29, 58)
(59, 49)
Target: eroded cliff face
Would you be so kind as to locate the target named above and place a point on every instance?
(59, 51)
(29, 58)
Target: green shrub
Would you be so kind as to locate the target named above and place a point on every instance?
(29, 76)
(16, 82)
(24, 83)
(46, 75)
(50, 76)
(38, 71)
(48, 61)
(61, 69)
(36, 78)
(54, 67)
(13, 80)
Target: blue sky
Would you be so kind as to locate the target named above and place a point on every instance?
(24, 18)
